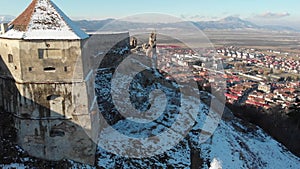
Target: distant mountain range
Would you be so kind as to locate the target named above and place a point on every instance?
(6, 18)
(228, 23)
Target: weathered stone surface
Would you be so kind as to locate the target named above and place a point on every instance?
(49, 89)
(51, 109)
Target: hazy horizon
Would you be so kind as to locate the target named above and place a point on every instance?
(266, 12)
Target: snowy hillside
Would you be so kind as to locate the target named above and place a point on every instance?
(234, 144)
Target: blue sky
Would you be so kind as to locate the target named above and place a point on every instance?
(256, 10)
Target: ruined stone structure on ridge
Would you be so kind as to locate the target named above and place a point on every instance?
(151, 51)
(47, 83)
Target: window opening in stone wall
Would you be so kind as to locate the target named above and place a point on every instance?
(10, 58)
(50, 53)
(41, 53)
(49, 69)
(53, 97)
(66, 68)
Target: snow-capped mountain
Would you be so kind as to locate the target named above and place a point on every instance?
(225, 23)
(6, 18)
(228, 23)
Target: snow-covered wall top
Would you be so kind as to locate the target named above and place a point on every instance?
(43, 20)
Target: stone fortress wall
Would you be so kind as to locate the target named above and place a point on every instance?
(48, 85)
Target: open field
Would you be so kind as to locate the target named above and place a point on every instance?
(262, 39)
(279, 41)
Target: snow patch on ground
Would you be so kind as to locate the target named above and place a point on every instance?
(238, 147)
(232, 145)
(14, 165)
(215, 164)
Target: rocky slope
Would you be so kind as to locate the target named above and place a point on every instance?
(234, 143)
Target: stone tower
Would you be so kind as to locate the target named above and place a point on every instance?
(151, 51)
(47, 84)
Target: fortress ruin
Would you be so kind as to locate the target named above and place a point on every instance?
(47, 82)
